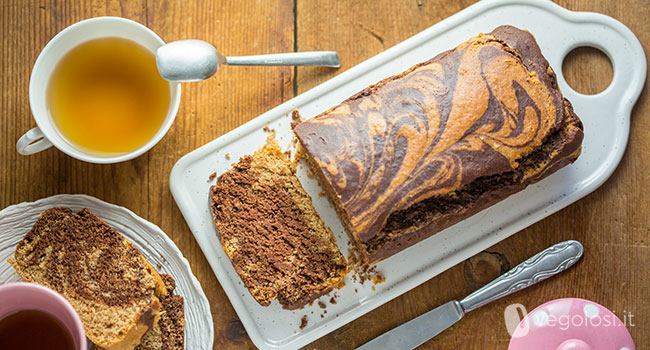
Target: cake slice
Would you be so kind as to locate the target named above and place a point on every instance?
(271, 232)
(105, 278)
(420, 151)
(169, 332)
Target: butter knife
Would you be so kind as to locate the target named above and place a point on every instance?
(541, 266)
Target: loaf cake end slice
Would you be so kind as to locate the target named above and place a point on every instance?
(274, 237)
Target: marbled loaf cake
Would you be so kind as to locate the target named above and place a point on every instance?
(421, 150)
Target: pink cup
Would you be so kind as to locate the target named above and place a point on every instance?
(30, 296)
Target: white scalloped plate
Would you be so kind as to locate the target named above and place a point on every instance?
(606, 118)
(153, 243)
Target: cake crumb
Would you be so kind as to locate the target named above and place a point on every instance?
(361, 272)
(266, 128)
(288, 153)
(367, 273)
(212, 176)
(310, 174)
(227, 155)
(353, 260)
(158, 266)
(321, 304)
(321, 193)
(373, 288)
(300, 152)
(270, 140)
(322, 316)
(332, 300)
(377, 279)
(296, 117)
(303, 322)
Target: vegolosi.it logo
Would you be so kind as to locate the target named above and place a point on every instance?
(513, 315)
(566, 319)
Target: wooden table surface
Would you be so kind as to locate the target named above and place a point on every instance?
(613, 223)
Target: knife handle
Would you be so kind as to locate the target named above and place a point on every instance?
(541, 266)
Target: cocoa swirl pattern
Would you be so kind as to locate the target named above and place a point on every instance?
(86, 258)
(470, 112)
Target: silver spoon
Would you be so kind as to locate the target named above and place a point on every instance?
(195, 60)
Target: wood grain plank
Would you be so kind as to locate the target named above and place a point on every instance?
(213, 107)
(358, 30)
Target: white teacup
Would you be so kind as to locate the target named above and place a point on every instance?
(46, 134)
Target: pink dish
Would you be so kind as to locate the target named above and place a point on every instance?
(571, 324)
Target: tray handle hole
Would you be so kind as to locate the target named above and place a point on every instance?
(587, 70)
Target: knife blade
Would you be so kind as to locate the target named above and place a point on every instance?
(539, 267)
(418, 330)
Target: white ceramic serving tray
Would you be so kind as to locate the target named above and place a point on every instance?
(153, 243)
(606, 118)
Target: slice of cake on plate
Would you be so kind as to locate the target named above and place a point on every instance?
(108, 282)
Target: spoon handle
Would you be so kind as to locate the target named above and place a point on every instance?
(313, 58)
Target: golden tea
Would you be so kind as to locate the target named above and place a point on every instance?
(106, 96)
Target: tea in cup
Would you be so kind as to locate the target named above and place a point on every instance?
(96, 94)
(36, 317)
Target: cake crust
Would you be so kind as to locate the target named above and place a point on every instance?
(169, 332)
(424, 149)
